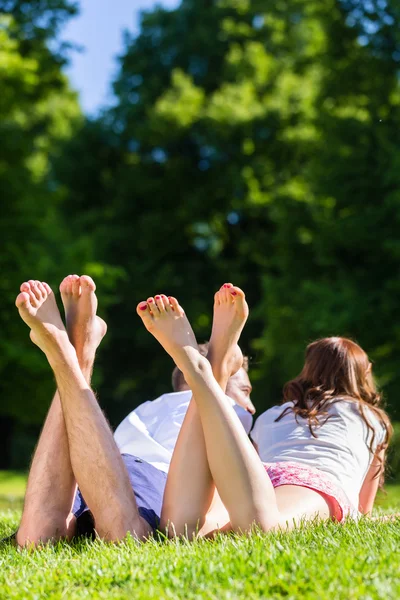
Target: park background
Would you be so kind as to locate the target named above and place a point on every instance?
(248, 141)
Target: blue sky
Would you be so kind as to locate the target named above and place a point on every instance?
(99, 29)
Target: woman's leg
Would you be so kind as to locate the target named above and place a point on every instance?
(237, 471)
(191, 503)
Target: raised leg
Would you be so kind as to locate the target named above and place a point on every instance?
(191, 502)
(51, 482)
(239, 475)
(95, 459)
(241, 480)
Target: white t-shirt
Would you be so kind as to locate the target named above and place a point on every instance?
(340, 450)
(151, 430)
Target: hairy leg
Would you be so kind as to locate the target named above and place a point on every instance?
(51, 485)
(51, 482)
(95, 459)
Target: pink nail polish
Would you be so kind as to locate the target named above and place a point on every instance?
(225, 285)
(143, 306)
(158, 297)
(234, 293)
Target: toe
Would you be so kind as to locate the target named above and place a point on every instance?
(153, 306)
(66, 285)
(236, 291)
(166, 303)
(34, 289)
(144, 313)
(75, 286)
(47, 287)
(42, 289)
(33, 299)
(22, 300)
(24, 287)
(218, 297)
(160, 303)
(176, 307)
(225, 295)
(87, 284)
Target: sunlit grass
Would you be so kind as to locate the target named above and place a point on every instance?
(345, 562)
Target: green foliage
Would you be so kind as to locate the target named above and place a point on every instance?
(253, 142)
(256, 143)
(38, 113)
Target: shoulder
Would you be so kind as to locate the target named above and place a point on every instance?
(358, 414)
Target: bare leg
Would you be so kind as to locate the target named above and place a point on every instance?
(239, 475)
(191, 503)
(51, 483)
(95, 459)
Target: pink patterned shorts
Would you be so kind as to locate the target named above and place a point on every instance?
(292, 473)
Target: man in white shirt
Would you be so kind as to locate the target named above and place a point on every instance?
(124, 492)
(150, 431)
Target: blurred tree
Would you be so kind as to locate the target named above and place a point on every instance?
(255, 142)
(38, 112)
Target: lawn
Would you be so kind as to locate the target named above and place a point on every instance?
(351, 561)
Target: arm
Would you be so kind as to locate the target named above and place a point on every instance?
(371, 483)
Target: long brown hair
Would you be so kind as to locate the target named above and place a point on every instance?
(336, 369)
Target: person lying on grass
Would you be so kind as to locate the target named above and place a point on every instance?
(322, 451)
(76, 445)
(150, 431)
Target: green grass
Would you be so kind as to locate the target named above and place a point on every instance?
(346, 562)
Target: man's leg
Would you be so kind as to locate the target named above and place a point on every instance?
(51, 483)
(95, 459)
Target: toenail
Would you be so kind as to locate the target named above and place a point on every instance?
(143, 306)
(150, 300)
(226, 285)
(234, 293)
(158, 297)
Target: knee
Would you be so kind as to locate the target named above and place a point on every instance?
(118, 527)
(247, 523)
(39, 531)
(173, 526)
(34, 538)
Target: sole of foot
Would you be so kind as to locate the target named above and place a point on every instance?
(85, 328)
(38, 309)
(230, 315)
(165, 319)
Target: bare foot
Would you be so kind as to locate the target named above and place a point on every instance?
(165, 319)
(85, 329)
(38, 308)
(230, 315)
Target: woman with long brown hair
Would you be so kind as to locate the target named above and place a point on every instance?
(321, 452)
(331, 420)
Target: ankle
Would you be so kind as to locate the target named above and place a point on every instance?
(192, 363)
(62, 355)
(86, 361)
